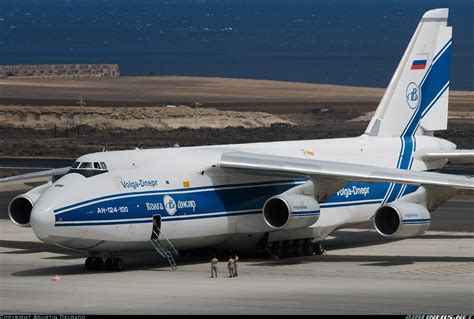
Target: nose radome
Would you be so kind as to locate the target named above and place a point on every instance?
(42, 221)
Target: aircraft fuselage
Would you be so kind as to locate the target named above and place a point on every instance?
(202, 205)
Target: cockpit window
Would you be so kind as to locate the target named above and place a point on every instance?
(86, 165)
(88, 169)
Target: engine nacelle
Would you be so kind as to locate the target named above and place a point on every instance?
(402, 220)
(19, 209)
(290, 211)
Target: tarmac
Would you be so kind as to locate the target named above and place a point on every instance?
(361, 273)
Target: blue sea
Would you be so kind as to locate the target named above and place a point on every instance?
(332, 41)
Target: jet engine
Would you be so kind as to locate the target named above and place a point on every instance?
(290, 211)
(19, 209)
(402, 220)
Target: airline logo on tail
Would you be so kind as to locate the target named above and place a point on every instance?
(413, 95)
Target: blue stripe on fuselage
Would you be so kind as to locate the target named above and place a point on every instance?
(208, 203)
(59, 210)
(196, 202)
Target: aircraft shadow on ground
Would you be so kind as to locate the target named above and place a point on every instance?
(157, 264)
(134, 262)
(348, 239)
(79, 269)
(447, 236)
(365, 260)
(150, 261)
(30, 247)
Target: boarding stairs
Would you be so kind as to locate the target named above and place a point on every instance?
(161, 244)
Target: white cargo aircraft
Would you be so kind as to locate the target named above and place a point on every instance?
(283, 197)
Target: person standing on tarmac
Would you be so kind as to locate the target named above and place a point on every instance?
(214, 262)
(236, 265)
(230, 267)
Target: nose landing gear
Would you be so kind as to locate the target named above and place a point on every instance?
(93, 263)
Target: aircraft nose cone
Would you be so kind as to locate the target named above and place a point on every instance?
(42, 222)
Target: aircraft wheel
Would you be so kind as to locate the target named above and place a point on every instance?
(273, 250)
(98, 264)
(109, 264)
(319, 249)
(118, 264)
(264, 253)
(279, 252)
(89, 263)
(287, 249)
(299, 249)
(269, 249)
(309, 249)
(291, 250)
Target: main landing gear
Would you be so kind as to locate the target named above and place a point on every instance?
(98, 264)
(295, 248)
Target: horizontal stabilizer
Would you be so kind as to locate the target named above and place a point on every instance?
(453, 156)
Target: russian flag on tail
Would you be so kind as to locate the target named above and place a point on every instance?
(418, 65)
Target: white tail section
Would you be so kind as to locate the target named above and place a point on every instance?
(418, 91)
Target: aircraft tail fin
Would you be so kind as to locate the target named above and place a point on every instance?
(416, 99)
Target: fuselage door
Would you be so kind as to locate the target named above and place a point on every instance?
(156, 226)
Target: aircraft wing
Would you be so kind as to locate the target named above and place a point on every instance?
(453, 156)
(285, 166)
(30, 180)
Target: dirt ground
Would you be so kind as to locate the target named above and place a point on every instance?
(131, 118)
(234, 94)
(41, 117)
